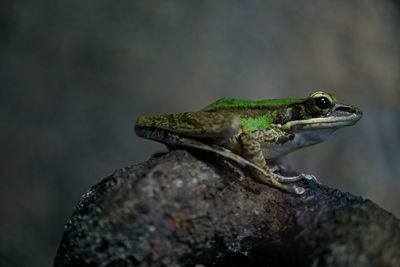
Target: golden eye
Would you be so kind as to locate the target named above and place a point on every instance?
(320, 103)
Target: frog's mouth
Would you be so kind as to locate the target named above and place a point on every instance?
(339, 116)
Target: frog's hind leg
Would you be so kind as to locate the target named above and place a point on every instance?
(201, 124)
(262, 175)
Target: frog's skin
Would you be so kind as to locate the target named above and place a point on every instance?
(249, 132)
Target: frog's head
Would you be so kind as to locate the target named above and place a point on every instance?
(316, 117)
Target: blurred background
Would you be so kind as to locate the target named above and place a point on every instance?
(75, 76)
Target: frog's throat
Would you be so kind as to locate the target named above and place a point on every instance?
(321, 123)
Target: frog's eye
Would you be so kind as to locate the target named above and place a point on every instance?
(320, 103)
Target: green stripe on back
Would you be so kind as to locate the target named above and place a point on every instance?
(231, 102)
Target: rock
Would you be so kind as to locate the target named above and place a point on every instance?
(189, 207)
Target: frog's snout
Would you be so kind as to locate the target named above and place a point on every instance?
(346, 110)
(354, 110)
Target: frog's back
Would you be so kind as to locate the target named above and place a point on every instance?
(226, 103)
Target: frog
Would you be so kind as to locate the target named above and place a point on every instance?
(251, 133)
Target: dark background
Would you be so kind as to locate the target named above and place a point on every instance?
(75, 75)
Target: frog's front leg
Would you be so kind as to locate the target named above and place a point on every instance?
(250, 143)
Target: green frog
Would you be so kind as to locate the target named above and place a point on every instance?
(251, 132)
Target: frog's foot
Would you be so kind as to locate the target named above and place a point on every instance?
(274, 168)
(289, 188)
(274, 180)
(279, 181)
(291, 179)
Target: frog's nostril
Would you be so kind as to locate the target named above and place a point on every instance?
(355, 110)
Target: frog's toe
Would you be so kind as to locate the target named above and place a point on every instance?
(274, 168)
(309, 177)
(299, 190)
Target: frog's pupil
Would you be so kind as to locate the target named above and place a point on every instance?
(322, 102)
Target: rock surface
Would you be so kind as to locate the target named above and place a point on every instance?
(188, 207)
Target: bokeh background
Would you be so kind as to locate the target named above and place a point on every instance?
(75, 75)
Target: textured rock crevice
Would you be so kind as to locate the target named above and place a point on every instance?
(186, 208)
